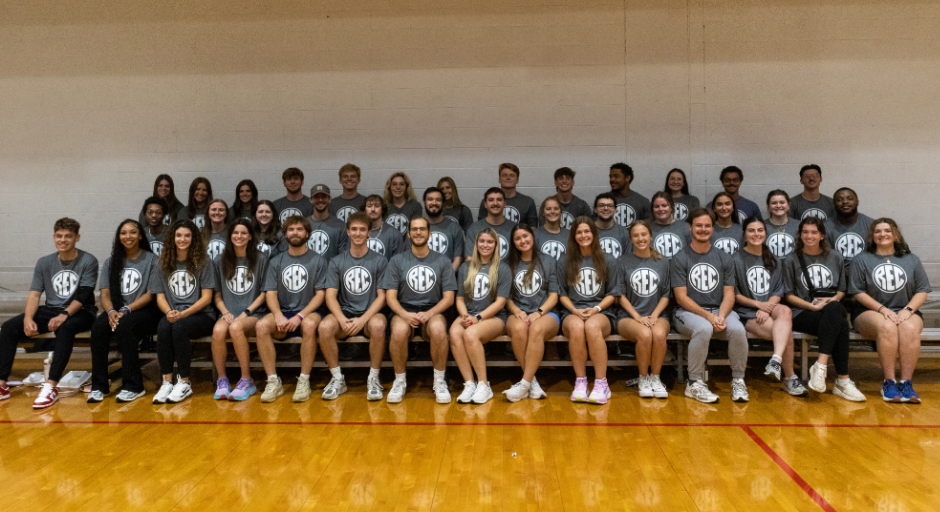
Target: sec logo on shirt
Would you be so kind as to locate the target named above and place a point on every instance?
(611, 246)
(290, 212)
(263, 247)
(344, 212)
(481, 286)
(294, 278)
(376, 245)
(182, 284)
(65, 283)
(357, 280)
(889, 278)
(814, 212)
(668, 244)
(625, 214)
(503, 247)
(130, 281)
(421, 279)
(319, 242)
(437, 242)
(727, 244)
(681, 213)
(156, 248)
(780, 244)
(566, 220)
(533, 287)
(215, 248)
(819, 274)
(200, 221)
(554, 249)
(850, 244)
(511, 214)
(397, 221)
(644, 282)
(704, 277)
(589, 283)
(240, 283)
(758, 281)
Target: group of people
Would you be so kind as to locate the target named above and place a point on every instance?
(387, 268)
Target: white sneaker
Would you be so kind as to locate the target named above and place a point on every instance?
(95, 397)
(482, 393)
(739, 391)
(817, 378)
(181, 391)
(335, 388)
(272, 389)
(535, 391)
(466, 395)
(165, 389)
(126, 396)
(646, 387)
(848, 391)
(374, 389)
(441, 393)
(773, 368)
(302, 391)
(518, 391)
(659, 390)
(794, 386)
(699, 391)
(397, 393)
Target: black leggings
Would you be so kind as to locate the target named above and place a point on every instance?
(12, 332)
(831, 328)
(173, 341)
(132, 327)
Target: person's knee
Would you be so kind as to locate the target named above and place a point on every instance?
(309, 325)
(644, 337)
(783, 313)
(220, 331)
(377, 325)
(327, 328)
(909, 331)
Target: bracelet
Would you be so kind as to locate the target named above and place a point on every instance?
(112, 311)
(879, 309)
(301, 316)
(247, 312)
(598, 309)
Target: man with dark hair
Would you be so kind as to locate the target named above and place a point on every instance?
(572, 206)
(519, 207)
(383, 239)
(811, 203)
(631, 206)
(494, 203)
(446, 237)
(731, 178)
(614, 238)
(847, 231)
(327, 233)
(347, 203)
(295, 202)
(68, 278)
(154, 213)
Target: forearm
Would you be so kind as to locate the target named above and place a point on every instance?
(798, 302)
(391, 297)
(567, 304)
(141, 301)
(314, 304)
(868, 301)
(106, 303)
(917, 301)
(689, 305)
(663, 304)
(442, 306)
(493, 309)
(461, 307)
(333, 305)
(606, 302)
(32, 304)
(727, 303)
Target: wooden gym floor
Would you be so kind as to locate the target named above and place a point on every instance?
(774, 453)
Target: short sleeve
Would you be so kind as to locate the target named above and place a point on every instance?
(665, 286)
(678, 270)
(322, 274)
(105, 277)
(551, 271)
(156, 282)
(560, 276)
(858, 282)
(727, 268)
(89, 276)
(37, 284)
(207, 276)
(390, 279)
(504, 284)
(921, 283)
(270, 279)
(458, 242)
(332, 274)
(448, 279)
(462, 277)
(615, 283)
(840, 269)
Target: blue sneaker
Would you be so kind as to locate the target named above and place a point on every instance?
(889, 391)
(244, 388)
(222, 389)
(908, 395)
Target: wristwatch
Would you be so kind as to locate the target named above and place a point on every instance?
(479, 318)
(539, 311)
(909, 309)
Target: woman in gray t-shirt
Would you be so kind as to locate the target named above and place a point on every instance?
(678, 187)
(267, 230)
(890, 285)
(551, 238)
(782, 230)
(669, 236)
(646, 291)
(483, 285)
(727, 233)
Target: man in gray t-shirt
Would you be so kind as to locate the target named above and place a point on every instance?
(614, 238)
(572, 206)
(847, 231)
(494, 200)
(446, 234)
(295, 203)
(810, 203)
(349, 202)
(517, 207)
(420, 286)
(327, 233)
(630, 205)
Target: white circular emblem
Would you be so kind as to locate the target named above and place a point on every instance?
(503, 247)
(182, 284)
(850, 245)
(780, 244)
(681, 212)
(167, 220)
(397, 221)
(290, 212)
(65, 283)
(758, 280)
(376, 245)
(611, 246)
(554, 249)
(625, 214)
(156, 247)
(727, 244)
(294, 278)
(481, 286)
(668, 244)
(357, 280)
(437, 242)
(534, 287)
(240, 283)
(889, 278)
(644, 282)
(589, 283)
(200, 221)
(130, 281)
(566, 220)
(819, 274)
(742, 216)
(215, 248)
(344, 212)
(421, 278)
(263, 247)
(704, 277)
(511, 214)
(319, 242)
(814, 212)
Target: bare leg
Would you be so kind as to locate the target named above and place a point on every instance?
(873, 325)
(398, 345)
(660, 331)
(474, 338)
(219, 349)
(328, 330)
(459, 349)
(308, 342)
(436, 331)
(573, 328)
(541, 330)
(239, 332)
(596, 331)
(642, 336)
(909, 340)
(375, 331)
(518, 332)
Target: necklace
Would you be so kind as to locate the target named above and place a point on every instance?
(779, 227)
(68, 265)
(380, 231)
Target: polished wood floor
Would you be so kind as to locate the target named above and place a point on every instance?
(774, 453)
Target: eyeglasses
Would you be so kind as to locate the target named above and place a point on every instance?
(605, 206)
(417, 230)
(732, 181)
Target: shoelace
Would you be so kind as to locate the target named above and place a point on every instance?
(374, 385)
(333, 385)
(906, 388)
(399, 387)
(242, 385)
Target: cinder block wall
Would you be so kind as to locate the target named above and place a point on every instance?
(97, 98)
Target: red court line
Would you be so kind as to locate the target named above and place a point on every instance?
(815, 496)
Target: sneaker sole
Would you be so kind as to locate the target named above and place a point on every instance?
(189, 394)
(251, 391)
(221, 397)
(136, 397)
(741, 400)
(478, 402)
(442, 401)
(702, 400)
(772, 374)
(661, 396)
(393, 401)
(840, 394)
(373, 398)
(299, 400)
(897, 400)
(647, 394)
(538, 396)
(44, 406)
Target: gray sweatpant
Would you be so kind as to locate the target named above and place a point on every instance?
(701, 332)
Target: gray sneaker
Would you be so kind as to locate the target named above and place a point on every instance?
(374, 389)
(739, 391)
(773, 368)
(95, 397)
(336, 387)
(794, 386)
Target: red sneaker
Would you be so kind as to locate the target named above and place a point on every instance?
(4, 393)
(48, 395)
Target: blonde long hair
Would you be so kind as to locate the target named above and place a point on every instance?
(409, 190)
(476, 263)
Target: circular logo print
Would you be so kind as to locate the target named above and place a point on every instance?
(397, 221)
(534, 286)
(263, 247)
(130, 281)
(889, 278)
(240, 283)
(625, 214)
(758, 281)
(819, 274)
(156, 247)
(376, 245)
(215, 248)
(319, 242)
(668, 244)
(511, 214)
(727, 244)
(290, 212)
(611, 246)
(850, 245)
(357, 280)
(437, 242)
(421, 279)
(554, 249)
(644, 282)
(200, 221)
(344, 212)
(704, 277)
(65, 283)
(589, 283)
(681, 213)
(182, 284)
(780, 244)
(566, 220)
(814, 212)
(294, 278)
(481, 286)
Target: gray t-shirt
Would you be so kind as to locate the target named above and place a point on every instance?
(669, 239)
(446, 238)
(327, 237)
(273, 250)
(461, 215)
(244, 287)
(590, 290)
(551, 244)
(135, 280)
(343, 208)
(890, 280)
(287, 208)
(167, 219)
(576, 208)
(216, 245)
(296, 279)
(520, 208)
(420, 282)
(826, 274)
(631, 208)
(823, 207)
(60, 282)
(530, 296)
(704, 276)
(155, 241)
(356, 280)
(848, 240)
(183, 288)
(727, 239)
(504, 231)
(781, 240)
(684, 205)
(386, 241)
(481, 297)
(615, 240)
(199, 219)
(754, 281)
(398, 218)
(645, 282)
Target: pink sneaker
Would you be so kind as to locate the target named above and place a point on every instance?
(600, 393)
(48, 395)
(580, 393)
